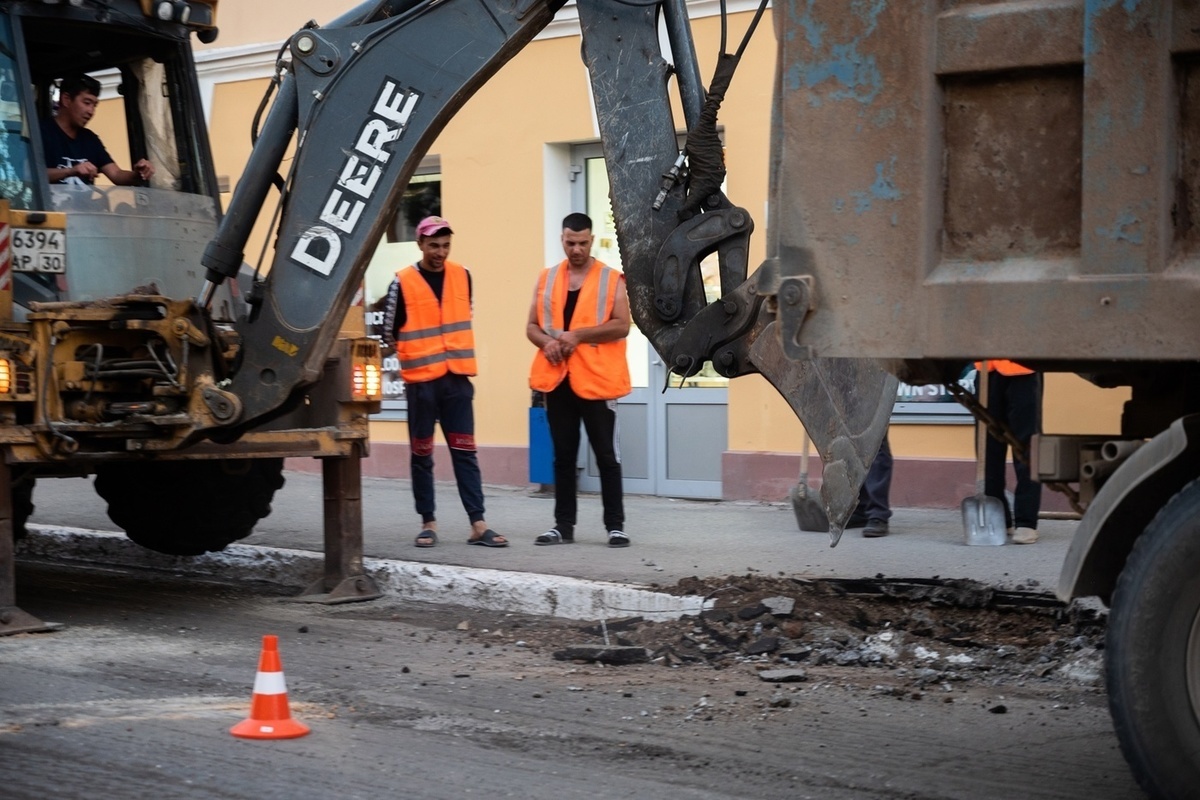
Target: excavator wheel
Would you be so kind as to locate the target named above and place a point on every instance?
(187, 508)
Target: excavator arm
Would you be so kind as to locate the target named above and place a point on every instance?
(367, 95)
(664, 229)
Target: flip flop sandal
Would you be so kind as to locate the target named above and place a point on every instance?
(488, 539)
(617, 539)
(552, 536)
(425, 539)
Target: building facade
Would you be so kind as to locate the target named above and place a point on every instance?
(523, 153)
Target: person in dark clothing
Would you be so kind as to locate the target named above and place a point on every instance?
(428, 317)
(74, 154)
(874, 510)
(578, 322)
(1014, 398)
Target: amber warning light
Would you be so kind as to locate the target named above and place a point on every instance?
(368, 381)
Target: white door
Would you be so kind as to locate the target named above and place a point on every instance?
(671, 441)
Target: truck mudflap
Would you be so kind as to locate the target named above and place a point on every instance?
(1127, 503)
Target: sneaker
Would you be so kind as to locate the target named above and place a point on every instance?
(1025, 536)
(875, 528)
(617, 539)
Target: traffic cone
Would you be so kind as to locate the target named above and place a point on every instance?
(269, 716)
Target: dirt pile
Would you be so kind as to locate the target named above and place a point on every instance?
(922, 631)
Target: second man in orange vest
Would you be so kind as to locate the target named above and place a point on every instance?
(578, 321)
(428, 316)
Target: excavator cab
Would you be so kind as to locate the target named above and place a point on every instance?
(117, 240)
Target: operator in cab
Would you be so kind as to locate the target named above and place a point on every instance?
(74, 154)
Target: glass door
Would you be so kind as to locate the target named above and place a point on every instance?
(672, 438)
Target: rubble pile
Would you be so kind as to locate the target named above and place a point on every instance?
(922, 631)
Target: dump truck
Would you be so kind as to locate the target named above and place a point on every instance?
(1023, 174)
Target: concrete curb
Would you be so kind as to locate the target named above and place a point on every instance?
(484, 589)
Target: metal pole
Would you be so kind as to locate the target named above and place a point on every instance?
(344, 580)
(12, 619)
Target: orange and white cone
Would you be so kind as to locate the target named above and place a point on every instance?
(269, 715)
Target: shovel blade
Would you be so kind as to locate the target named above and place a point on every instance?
(983, 521)
(810, 516)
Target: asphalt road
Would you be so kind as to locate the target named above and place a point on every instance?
(135, 696)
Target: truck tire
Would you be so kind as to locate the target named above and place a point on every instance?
(186, 508)
(1153, 651)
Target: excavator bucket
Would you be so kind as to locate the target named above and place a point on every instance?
(845, 405)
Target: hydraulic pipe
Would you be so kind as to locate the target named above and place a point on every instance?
(224, 254)
(683, 54)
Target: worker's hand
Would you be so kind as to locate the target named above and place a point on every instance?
(553, 351)
(568, 340)
(144, 169)
(85, 170)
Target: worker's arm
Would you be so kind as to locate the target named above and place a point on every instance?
(143, 170)
(84, 169)
(553, 348)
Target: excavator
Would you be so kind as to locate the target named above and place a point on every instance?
(949, 181)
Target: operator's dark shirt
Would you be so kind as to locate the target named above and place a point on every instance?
(63, 152)
(569, 307)
(396, 313)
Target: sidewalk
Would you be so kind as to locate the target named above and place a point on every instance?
(672, 539)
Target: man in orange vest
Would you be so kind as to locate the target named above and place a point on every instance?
(578, 321)
(428, 318)
(1014, 398)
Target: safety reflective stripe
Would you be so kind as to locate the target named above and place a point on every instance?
(413, 363)
(602, 297)
(269, 683)
(548, 302)
(409, 336)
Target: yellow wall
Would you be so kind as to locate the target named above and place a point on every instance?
(492, 163)
(243, 22)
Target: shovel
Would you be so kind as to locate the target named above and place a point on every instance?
(983, 516)
(810, 516)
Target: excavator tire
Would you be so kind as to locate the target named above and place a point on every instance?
(187, 508)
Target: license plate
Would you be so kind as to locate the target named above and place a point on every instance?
(39, 250)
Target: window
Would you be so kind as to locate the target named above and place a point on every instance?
(933, 404)
(16, 149)
(599, 208)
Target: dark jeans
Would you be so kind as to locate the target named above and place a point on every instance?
(873, 500)
(1017, 401)
(564, 412)
(447, 399)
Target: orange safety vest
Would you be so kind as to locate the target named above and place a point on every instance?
(1009, 368)
(598, 371)
(436, 338)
